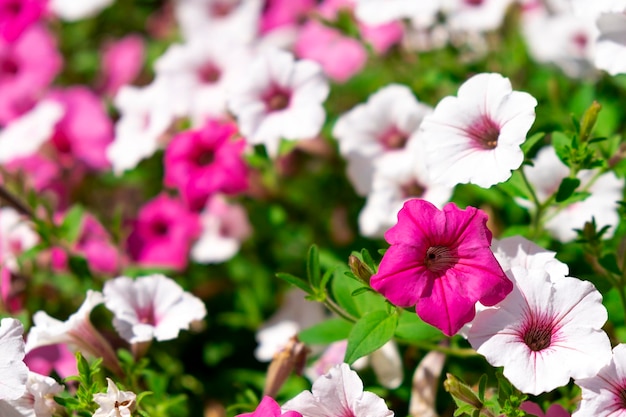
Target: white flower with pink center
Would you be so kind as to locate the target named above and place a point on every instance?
(13, 370)
(280, 98)
(114, 403)
(16, 236)
(150, 307)
(378, 12)
(544, 332)
(224, 227)
(476, 136)
(475, 15)
(37, 401)
(382, 125)
(604, 394)
(203, 71)
(546, 175)
(339, 393)
(517, 251)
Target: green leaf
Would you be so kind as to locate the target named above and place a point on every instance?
(362, 290)
(413, 329)
(313, 267)
(532, 141)
(567, 188)
(342, 288)
(562, 146)
(326, 332)
(371, 332)
(294, 280)
(72, 224)
(482, 386)
(609, 262)
(326, 278)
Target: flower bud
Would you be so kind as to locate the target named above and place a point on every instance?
(360, 269)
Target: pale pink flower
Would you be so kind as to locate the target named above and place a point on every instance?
(224, 227)
(114, 403)
(440, 262)
(72, 10)
(205, 161)
(151, 307)
(338, 393)
(546, 175)
(268, 407)
(545, 332)
(280, 98)
(603, 393)
(28, 66)
(77, 332)
(163, 233)
(555, 410)
(13, 371)
(18, 15)
(382, 124)
(340, 56)
(476, 136)
(16, 236)
(122, 61)
(22, 137)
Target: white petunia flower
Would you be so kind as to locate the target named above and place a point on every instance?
(114, 403)
(280, 98)
(224, 227)
(603, 394)
(610, 54)
(398, 177)
(16, 236)
(479, 16)
(146, 114)
(22, 137)
(517, 251)
(37, 401)
(379, 12)
(72, 10)
(338, 393)
(296, 313)
(381, 125)
(77, 332)
(13, 370)
(150, 307)
(544, 332)
(233, 19)
(476, 136)
(546, 175)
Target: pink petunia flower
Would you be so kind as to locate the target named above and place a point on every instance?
(280, 13)
(27, 67)
(440, 262)
(268, 407)
(476, 136)
(202, 162)
(338, 393)
(545, 332)
(555, 410)
(50, 358)
(163, 233)
(122, 61)
(603, 394)
(153, 306)
(85, 131)
(17, 15)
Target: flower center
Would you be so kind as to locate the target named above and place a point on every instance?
(580, 40)
(621, 395)
(205, 158)
(8, 67)
(538, 336)
(393, 139)
(276, 99)
(439, 259)
(474, 2)
(209, 73)
(223, 8)
(484, 132)
(13, 8)
(160, 228)
(412, 189)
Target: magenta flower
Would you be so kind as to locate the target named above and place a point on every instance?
(203, 162)
(440, 262)
(122, 61)
(268, 407)
(17, 15)
(163, 233)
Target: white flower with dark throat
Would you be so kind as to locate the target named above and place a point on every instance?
(114, 403)
(280, 98)
(150, 307)
(476, 136)
(544, 332)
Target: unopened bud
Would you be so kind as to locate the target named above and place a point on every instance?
(360, 269)
(461, 392)
(291, 358)
(589, 120)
